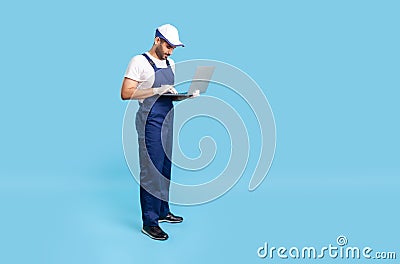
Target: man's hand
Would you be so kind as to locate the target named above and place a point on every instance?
(195, 94)
(164, 89)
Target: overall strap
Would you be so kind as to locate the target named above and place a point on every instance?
(152, 62)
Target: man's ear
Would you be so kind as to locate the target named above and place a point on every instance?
(157, 40)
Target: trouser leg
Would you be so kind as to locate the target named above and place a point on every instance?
(149, 188)
(167, 138)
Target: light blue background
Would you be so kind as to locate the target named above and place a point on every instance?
(330, 70)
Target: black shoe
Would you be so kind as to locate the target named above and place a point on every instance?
(155, 232)
(170, 218)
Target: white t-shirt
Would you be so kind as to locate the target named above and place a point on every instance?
(139, 69)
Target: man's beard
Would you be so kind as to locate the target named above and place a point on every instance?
(161, 55)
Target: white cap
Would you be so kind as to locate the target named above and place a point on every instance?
(170, 34)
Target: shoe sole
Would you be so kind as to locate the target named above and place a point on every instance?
(144, 232)
(172, 222)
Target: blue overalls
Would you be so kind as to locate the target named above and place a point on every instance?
(154, 125)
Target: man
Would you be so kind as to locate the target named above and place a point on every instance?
(147, 78)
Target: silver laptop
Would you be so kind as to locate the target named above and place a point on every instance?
(200, 81)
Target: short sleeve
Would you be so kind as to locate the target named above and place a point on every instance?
(135, 69)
